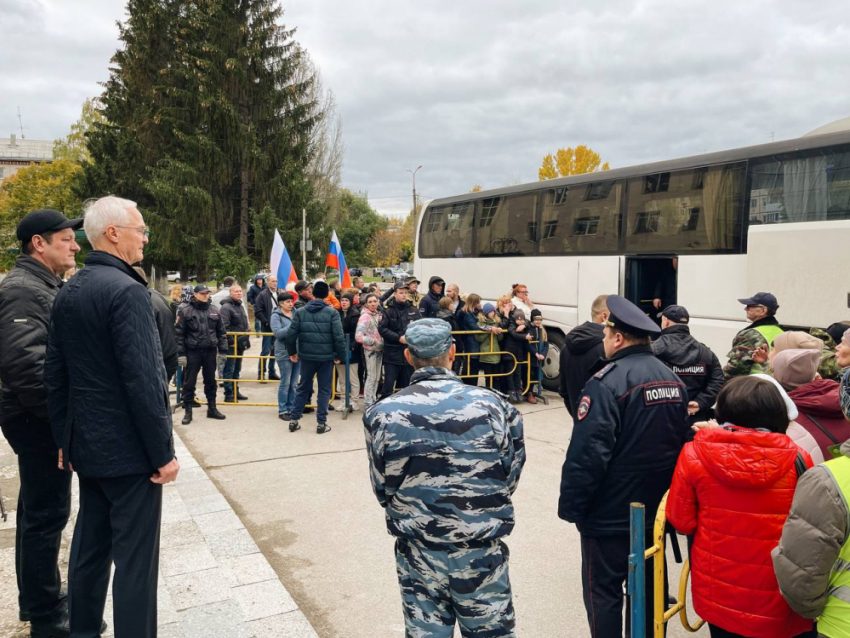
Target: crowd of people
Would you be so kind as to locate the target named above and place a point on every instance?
(754, 454)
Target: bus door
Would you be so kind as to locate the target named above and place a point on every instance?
(650, 278)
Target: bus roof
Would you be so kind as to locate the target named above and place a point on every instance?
(706, 159)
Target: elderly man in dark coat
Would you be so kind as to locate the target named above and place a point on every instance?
(108, 400)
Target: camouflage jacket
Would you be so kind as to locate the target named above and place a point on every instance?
(844, 393)
(741, 355)
(444, 459)
(828, 368)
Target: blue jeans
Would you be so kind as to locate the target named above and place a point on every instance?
(324, 370)
(232, 370)
(268, 349)
(288, 383)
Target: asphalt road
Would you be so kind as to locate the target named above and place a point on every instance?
(308, 503)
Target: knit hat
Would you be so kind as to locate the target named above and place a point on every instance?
(488, 308)
(535, 313)
(518, 314)
(793, 368)
(837, 330)
(350, 297)
(320, 289)
(796, 340)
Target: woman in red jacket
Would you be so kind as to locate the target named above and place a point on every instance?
(732, 490)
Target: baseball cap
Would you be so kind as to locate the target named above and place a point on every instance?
(428, 338)
(761, 299)
(412, 280)
(43, 221)
(201, 288)
(399, 285)
(677, 314)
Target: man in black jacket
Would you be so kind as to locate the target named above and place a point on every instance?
(235, 319)
(164, 326)
(315, 338)
(581, 353)
(108, 400)
(430, 304)
(264, 305)
(696, 365)
(631, 423)
(44, 502)
(304, 290)
(396, 317)
(201, 342)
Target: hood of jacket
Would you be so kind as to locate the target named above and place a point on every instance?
(434, 280)
(679, 346)
(819, 397)
(231, 300)
(200, 305)
(316, 305)
(745, 459)
(585, 337)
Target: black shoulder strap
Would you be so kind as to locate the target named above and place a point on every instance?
(800, 465)
(821, 428)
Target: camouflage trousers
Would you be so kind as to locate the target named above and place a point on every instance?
(467, 585)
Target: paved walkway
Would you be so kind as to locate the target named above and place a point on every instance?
(214, 581)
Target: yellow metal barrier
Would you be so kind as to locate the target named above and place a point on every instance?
(262, 379)
(656, 553)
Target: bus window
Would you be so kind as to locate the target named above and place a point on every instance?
(582, 219)
(507, 226)
(446, 231)
(697, 210)
(801, 188)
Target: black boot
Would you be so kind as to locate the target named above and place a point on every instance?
(241, 396)
(273, 376)
(187, 416)
(53, 626)
(213, 413)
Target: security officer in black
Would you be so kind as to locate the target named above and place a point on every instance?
(696, 365)
(201, 341)
(630, 425)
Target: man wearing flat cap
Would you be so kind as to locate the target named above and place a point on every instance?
(630, 425)
(759, 335)
(48, 249)
(201, 344)
(445, 458)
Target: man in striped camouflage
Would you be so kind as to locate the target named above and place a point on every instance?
(445, 458)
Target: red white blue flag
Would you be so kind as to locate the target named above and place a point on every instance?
(281, 264)
(336, 260)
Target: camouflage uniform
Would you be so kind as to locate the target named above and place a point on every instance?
(444, 459)
(741, 355)
(844, 393)
(828, 367)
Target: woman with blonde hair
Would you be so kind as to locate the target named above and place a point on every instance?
(176, 294)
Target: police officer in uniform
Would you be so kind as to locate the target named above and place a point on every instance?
(201, 343)
(631, 423)
(696, 365)
(444, 459)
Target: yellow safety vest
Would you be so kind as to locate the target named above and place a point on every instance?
(769, 332)
(834, 621)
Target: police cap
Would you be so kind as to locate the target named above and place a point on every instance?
(626, 316)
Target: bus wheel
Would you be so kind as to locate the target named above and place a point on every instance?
(552, 363)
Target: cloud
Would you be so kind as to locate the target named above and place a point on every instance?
(477, 92)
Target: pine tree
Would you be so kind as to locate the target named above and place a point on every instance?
(211, 133)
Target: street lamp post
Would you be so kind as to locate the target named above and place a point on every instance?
(415, 213)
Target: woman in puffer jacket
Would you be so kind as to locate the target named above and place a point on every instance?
(732, 490)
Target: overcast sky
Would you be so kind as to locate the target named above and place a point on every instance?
(477, 92)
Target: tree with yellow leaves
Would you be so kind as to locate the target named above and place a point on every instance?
(571, 161)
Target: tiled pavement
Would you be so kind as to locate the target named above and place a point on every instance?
(213, 582)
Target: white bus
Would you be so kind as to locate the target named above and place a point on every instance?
(773, 217)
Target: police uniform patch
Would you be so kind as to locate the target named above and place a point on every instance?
(604, 370)
(583, 407)
(695, 370)
(661, 393)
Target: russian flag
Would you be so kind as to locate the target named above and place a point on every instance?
(336, 260)
(281, 264)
